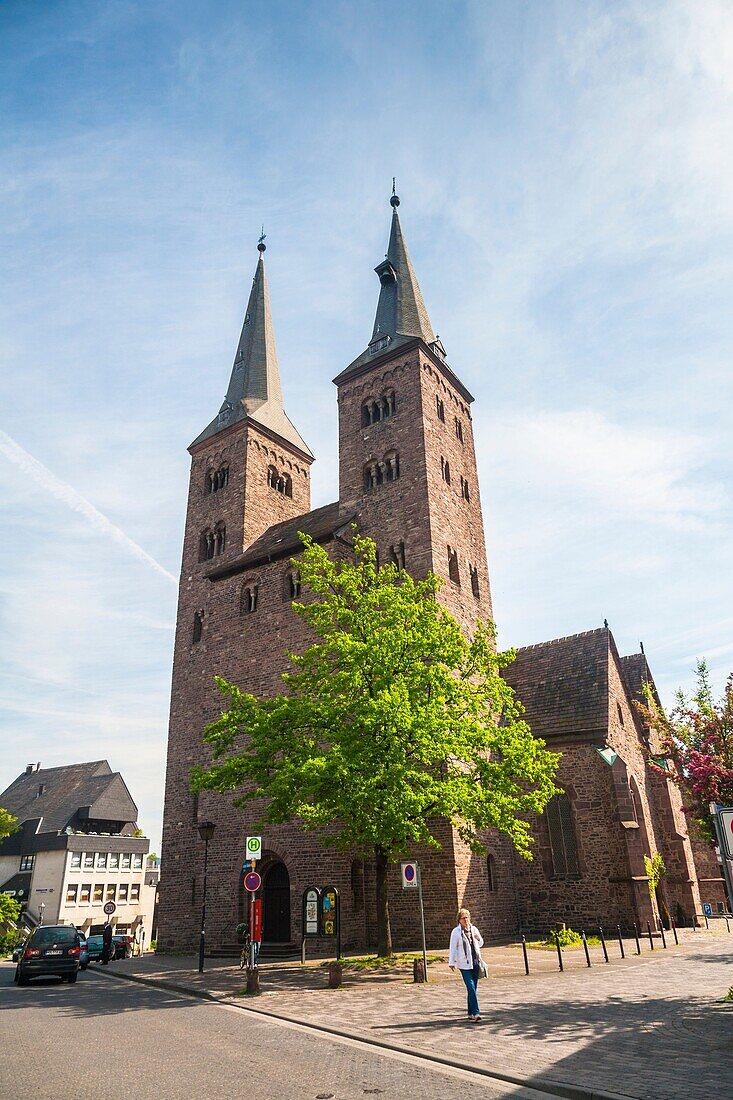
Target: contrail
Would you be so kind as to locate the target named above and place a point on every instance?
(61, 491)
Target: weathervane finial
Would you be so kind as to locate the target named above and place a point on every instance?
(394, 202)
(261, 246)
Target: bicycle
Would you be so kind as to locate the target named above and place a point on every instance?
(246, 950)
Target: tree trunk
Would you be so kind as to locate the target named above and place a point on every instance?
(384, 932)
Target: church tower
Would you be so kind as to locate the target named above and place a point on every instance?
(250, 470)
(407, 457)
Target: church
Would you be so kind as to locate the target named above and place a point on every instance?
(407, 478)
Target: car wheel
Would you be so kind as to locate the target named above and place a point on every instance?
(84, 966)
(71, 978)
(22, 980)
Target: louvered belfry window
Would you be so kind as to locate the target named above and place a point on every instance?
(562, 838)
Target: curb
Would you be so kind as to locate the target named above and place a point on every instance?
(552, 1088)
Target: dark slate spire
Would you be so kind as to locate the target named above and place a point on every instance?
(401, 310)
(254, 387)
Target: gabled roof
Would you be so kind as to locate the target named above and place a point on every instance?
(281, 540)
(254, 387)
(92, 788)
(563, 684)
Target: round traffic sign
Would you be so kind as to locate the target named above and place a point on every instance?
(409, 872)
(109, 908)
(252, 882)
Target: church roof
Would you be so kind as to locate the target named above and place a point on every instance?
(563, 684)
(282, 539)
(254, 387)
(401, 314)
(91, 786)
(637, 673)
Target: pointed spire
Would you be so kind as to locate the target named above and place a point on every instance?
(401, 310)
(254, 387)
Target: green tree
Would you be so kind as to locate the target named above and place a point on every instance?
(8, 823)
(391, 722)
(9, 909)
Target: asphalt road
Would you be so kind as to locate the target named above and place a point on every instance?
(107, 1039)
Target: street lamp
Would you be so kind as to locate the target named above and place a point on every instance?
(41, 907)
(206, 831)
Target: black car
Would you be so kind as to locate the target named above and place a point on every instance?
(95, 946)
(53, 949)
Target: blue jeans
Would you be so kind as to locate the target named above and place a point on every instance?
(471, 977)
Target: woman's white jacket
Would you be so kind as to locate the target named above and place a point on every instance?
(460, 948)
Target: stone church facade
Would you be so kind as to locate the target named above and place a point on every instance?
(408, 478)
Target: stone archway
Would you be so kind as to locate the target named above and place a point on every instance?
(276, 904)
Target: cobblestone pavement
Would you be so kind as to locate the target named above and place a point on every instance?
(647, 1027)
(111, 1040)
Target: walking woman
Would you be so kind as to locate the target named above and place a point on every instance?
(465, 952)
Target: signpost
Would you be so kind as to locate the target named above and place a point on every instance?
(707, 909)
(723, 821)
(411, 880)
(254, 847)
(252, 882)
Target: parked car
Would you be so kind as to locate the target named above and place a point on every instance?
(84, 956)
(18, 951)
(122, 947)
(94, 947)
(51, 949)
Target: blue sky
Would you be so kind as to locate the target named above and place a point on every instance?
(565, 173)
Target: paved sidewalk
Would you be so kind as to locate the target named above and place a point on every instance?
(648, 1027)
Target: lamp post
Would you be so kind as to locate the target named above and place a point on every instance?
(206, 831)
(41, 907)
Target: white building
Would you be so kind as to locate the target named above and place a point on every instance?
(75, 851)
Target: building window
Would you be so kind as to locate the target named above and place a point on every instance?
(114, 861)
(111, 891)
(397, 555)
(126, 861)
(281, 483)
(71, 891)
(464, 489)
(98, 893)
(473, 570)
(562, 837)
(217, 479)
(212, 542)
(376, 409)
(137, 862)
(198, 627)
(445, 470)
(122, 893)
(75, 861)
(377, 473)
(135, 891)
(453, 571)
(250, 596)
(459, 429)
(88, 861)
(441, 409)
(26, 863)
(491, 873)
(86, 893)
(292, 585)
(101, 859)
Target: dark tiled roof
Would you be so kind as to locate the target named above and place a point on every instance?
(281, 540)
(635, 668)
(66, 790)
(18, 886)
(563, 684)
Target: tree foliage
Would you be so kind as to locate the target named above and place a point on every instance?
(697, 736)
(9, 909)
(8, 823)
(391, 722)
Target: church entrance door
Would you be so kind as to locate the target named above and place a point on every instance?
(276, 907)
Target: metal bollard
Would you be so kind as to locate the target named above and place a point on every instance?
(585, 948)
(674, 930)
(559, 951)
(603, 943)
(620, 941)
(661, 930)
(636, 937)
(524, 952)
(727, 925)
(707, 924)
(335, 974)
(651, 938)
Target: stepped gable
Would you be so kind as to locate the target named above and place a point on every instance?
(563, 685)
(636, 672)
(282, 539)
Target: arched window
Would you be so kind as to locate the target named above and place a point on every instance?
(272, 477)
(464, 489)
(491, 873)
(392, 466)
(459, 429)
(453, 571)
(440, 408)
(374, 409)
(207, 545)
(292, 585)
(563, 845)
(473, 570)
(249, 598)
(445, 469)
(397, 555)
(281, 483)
(198, 627)
(220, 539)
